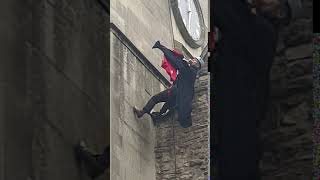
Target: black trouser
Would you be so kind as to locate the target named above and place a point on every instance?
(168, 96)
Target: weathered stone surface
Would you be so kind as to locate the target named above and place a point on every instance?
(144, 22)
(297, 32)
(299, 67)
(15, 125)
(133, 139)
(278, 77)
(286, 134)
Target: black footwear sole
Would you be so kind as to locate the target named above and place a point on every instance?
(136, 112)
(156, 45)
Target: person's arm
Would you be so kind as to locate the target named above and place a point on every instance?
(175, 61)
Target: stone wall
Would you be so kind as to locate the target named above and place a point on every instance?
(183, 153)
(54, 88)
(132, 139)
(287, 135)
(316, 112)
(144, 22)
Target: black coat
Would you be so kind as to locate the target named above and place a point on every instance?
(185, 90)
(240, 83)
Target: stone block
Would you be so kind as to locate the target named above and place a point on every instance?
(117, 140)
(298, 32)
(301, 51)
(299, 68)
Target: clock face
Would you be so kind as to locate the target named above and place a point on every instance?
(189, 19)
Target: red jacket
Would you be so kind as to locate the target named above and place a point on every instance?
(172, 72)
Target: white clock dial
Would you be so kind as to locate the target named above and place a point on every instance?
(190, 17)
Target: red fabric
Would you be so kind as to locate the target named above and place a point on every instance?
(172, 72)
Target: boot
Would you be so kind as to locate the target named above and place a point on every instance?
(156, 45)
(138, 112)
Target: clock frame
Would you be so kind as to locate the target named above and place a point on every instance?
(194, 43)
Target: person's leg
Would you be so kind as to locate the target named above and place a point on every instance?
(171, 101)
(160, 97)
(168, 105)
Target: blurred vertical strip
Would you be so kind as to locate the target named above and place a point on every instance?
(316, 16)
(210, 67)
(316, 115)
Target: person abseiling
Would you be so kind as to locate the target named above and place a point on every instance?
(181, 93)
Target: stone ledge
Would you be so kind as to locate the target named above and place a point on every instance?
(122, 37)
